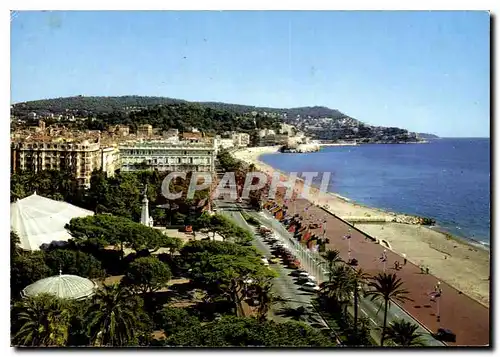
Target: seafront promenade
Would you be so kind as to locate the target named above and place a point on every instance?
(449, 261)
(463, 315)
(462, 265)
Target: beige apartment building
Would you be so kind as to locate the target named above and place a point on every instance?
(145, 130)
(80, 155)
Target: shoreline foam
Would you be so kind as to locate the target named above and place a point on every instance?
(453, 259)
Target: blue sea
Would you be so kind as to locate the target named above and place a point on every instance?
(447, 179)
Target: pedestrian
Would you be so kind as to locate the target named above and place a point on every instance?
(426, 270)
(404, 259)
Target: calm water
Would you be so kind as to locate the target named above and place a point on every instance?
(447, 179)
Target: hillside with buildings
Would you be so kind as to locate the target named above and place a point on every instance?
(96, 113)
(69, 134)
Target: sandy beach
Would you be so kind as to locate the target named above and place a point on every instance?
(454, 261)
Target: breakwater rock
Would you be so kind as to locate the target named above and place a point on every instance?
(407, 219)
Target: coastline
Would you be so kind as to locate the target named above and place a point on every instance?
(456, 260)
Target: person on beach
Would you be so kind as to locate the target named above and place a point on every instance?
(404, 259)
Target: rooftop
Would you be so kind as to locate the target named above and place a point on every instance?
(63, 286)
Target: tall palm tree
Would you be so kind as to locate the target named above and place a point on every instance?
(42, 320)
(340, 286)
(266, 299)
(359, 278)
(332, 257)
(114, 317)
(404, 333)
(386, 287)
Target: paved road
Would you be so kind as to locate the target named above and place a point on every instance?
(284, 285)
(367, 308)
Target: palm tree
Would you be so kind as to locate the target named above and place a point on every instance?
(386, 287)
(404, 333)
(266, 299)
(359, 278)
(340, 286)
(332, 257)
(114, 317)
(42, 320)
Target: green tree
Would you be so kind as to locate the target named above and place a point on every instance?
(42, 320)
(27, 268)
(332, 258)
(15, 250)
(197, 251)
(386, 287)
(115, 317)
(340, 287)
(101, 230)
(225, 275)
(174, 319)
(147, 275)
(404, 333)
(243, 332)
(77, 332)
(73, 262)
(262, 290)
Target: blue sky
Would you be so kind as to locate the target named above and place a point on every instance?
(424, 71)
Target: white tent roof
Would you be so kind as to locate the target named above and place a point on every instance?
(62, 286)
(38, 220)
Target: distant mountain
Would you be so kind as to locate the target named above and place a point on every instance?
(112, 104)
(427, 136)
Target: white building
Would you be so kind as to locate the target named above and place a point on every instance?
(225, 143)
(167, 156)
(241, 139)
(266, 132)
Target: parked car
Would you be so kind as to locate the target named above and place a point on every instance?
(446, 335)
(274, 260)
(303, 280)
(295, 264)
(265, 262)
(312, 287)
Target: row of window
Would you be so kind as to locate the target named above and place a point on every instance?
(199, 161)
(57, 147)
(164, 152)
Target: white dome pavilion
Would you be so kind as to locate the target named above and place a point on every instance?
(63, 286)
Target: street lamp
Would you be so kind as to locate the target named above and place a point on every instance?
(384, 259)
(438, 296)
